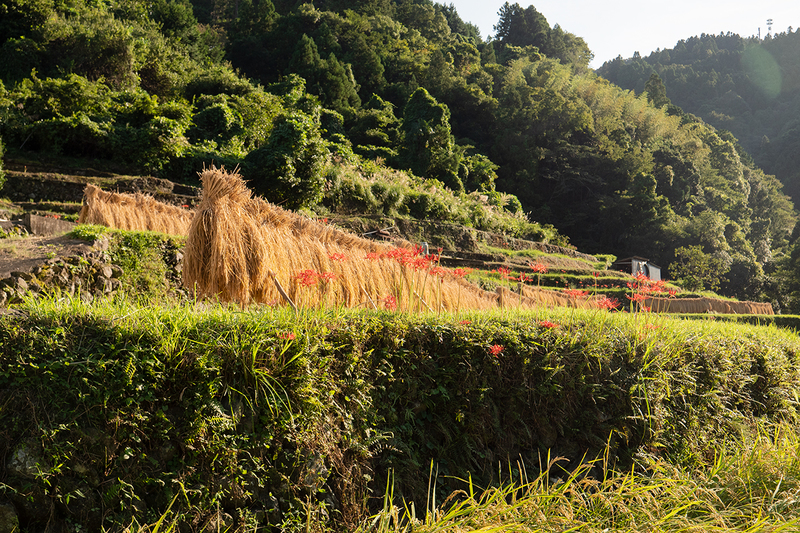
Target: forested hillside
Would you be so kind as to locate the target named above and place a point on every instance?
(749, 86)
(293, 93)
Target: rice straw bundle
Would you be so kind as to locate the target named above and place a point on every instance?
(242, 249)
(132, 212)
(550, 298)
(707, 305)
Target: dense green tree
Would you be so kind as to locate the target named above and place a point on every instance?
(521, 27)
(329, 79)
(255, 17)
(696, 270)
(656, 92)
(23, 18)
(528, 27)
(478, 173)
(287, 170)
(376, 130)
(427, 148)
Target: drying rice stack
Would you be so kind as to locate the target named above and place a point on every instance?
(132, 212)
(549, 298)
(243, 249)
(707, 305)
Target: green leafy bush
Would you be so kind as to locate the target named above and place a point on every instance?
(287, 170)
(88, 232)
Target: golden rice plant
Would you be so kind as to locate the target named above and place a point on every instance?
(132, 212)
(243, 249)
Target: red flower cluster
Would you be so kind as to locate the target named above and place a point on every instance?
(547, 324)
(390, 303)
(340, 257)
(575, 293)
(287, 335)
(505, 273)
(539, 268)
(645, 285)
(496, 349)
(637, 297)
(604, 302)
(410, 257)
(309, 278)
(460, 272)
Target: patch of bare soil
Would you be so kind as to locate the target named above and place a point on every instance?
(22, 254)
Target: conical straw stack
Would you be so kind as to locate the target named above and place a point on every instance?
(132, 212)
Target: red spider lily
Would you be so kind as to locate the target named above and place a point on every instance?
(539, 268)
(547, 324)
(390, 303)
(338, 257)
(505, 273)
(522, 278)
(465, 322)
(605, 302)
(403, 256)
(309, 278)
(575, 293)
(646, 309)
(438, 271)
(422, 262)
(326, 276)
(672, 293)
(496, 349)
(460, 272)
(287, 335)
(637, 297)
(651, 326)
(372, 256)
(306, 278)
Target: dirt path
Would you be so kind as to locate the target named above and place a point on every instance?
(22, 254)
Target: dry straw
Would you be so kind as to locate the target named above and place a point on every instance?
(242, 249)
(707, 305)
(132, 212)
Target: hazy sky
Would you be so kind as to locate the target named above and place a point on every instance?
(622, 27)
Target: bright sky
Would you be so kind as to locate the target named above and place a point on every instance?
(622, 27)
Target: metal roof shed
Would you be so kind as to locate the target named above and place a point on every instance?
(635, 265)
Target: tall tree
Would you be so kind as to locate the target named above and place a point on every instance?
(428, 149)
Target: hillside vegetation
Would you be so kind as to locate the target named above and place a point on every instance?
(303, 96)
(746, 85)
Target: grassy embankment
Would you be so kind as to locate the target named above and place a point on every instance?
(205, 416)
